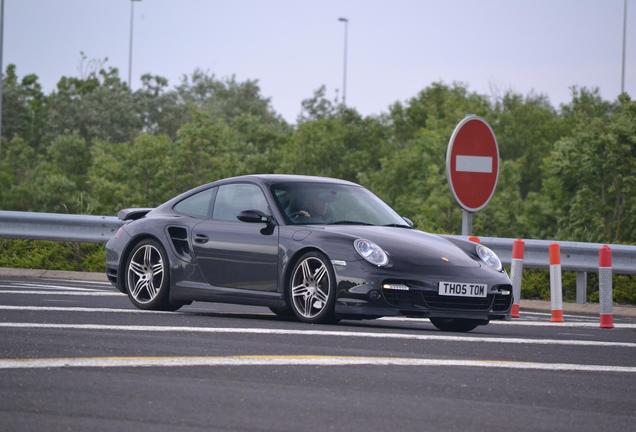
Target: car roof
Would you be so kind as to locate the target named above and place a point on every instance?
(264, 179)
(269, 179)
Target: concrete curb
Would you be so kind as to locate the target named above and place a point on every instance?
(6, 272)
(526, 305)
(575, 308)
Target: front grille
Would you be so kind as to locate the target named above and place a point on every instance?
(433, 300)
(502, 303)
(402, 299)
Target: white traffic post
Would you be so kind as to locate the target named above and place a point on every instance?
(605, 287)
(516, 271)
(556, 289)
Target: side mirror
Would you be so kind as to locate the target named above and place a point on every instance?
(409, 222)
(254, 216)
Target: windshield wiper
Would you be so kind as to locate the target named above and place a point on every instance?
(398, 225)
(348, 222)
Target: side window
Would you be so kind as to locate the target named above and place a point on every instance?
(197, 205)
(234, 198)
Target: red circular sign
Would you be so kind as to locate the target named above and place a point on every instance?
(472, 163)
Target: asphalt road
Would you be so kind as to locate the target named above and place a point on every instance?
(77, 356)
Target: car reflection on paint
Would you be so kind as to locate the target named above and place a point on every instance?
(313, 248)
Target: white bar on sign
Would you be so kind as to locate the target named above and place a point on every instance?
(478, 164)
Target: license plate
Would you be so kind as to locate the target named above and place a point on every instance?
(463, 289)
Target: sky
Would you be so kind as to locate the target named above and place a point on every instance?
(396, 48)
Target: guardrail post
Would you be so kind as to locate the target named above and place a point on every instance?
(556, 289)
(605, 287)
(581, 287)
(516, 271)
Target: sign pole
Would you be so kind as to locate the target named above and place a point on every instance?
(467, 223)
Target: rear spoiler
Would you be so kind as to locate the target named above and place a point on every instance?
(133, 213)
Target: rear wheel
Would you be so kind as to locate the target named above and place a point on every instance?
(312, 289)
(148, 278)
(455, 325)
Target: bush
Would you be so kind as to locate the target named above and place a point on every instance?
(48, 255)
(536, 286)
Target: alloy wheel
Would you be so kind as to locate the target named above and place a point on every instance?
(310, 285)
(145, 274)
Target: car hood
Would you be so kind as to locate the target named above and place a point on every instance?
(406, 247)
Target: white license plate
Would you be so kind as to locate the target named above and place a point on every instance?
(463, 289)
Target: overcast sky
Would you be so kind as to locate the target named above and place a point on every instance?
(396, 48)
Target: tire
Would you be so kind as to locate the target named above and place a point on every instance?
(455, 325)
(147, 272)
(311, 289)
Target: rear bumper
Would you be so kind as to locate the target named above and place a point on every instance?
(114, 249)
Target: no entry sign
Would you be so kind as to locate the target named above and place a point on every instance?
(472, 163)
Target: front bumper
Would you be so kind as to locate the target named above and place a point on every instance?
(361, 292)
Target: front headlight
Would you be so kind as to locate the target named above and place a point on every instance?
(371, 252)
(489, 258)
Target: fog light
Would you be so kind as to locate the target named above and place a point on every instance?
(397, 287)
(504, 292)
(374, 295)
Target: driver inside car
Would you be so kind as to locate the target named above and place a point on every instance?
(314, 209)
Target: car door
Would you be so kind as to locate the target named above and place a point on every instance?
(236, 254)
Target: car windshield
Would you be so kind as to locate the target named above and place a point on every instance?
(333, 204)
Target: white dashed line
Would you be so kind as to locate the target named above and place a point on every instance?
(53, 292)
(81, 309)
(49, 287)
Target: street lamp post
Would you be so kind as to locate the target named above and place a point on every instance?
(344, 72)
(1, 67)
(130, 46)
(624, 41)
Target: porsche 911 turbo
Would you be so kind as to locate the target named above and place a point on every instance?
(311, 248)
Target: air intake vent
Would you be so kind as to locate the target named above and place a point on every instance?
(179, 238)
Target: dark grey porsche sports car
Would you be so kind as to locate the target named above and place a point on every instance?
(314, 248)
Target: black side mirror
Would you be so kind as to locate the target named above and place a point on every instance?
(254, 216)
(409, 221)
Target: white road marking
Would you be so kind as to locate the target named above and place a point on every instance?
(399, 319)
(74, 293)
(48, 287)
(62, 287)
(234, 330)
(80, 309)
(583, 317)
(477, 164)
(525, 323)
(102, 362)
(83, 282)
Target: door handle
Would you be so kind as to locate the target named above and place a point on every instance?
(200, 238)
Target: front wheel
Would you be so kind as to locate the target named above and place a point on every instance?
(148, 278)
(455, 325)
(311, 291)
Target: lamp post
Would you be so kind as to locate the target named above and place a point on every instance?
(344, 72)
(624, 41)
(1, 67)
(130, 46)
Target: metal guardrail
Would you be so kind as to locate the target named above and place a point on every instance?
(575, 256)
(58, 227)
